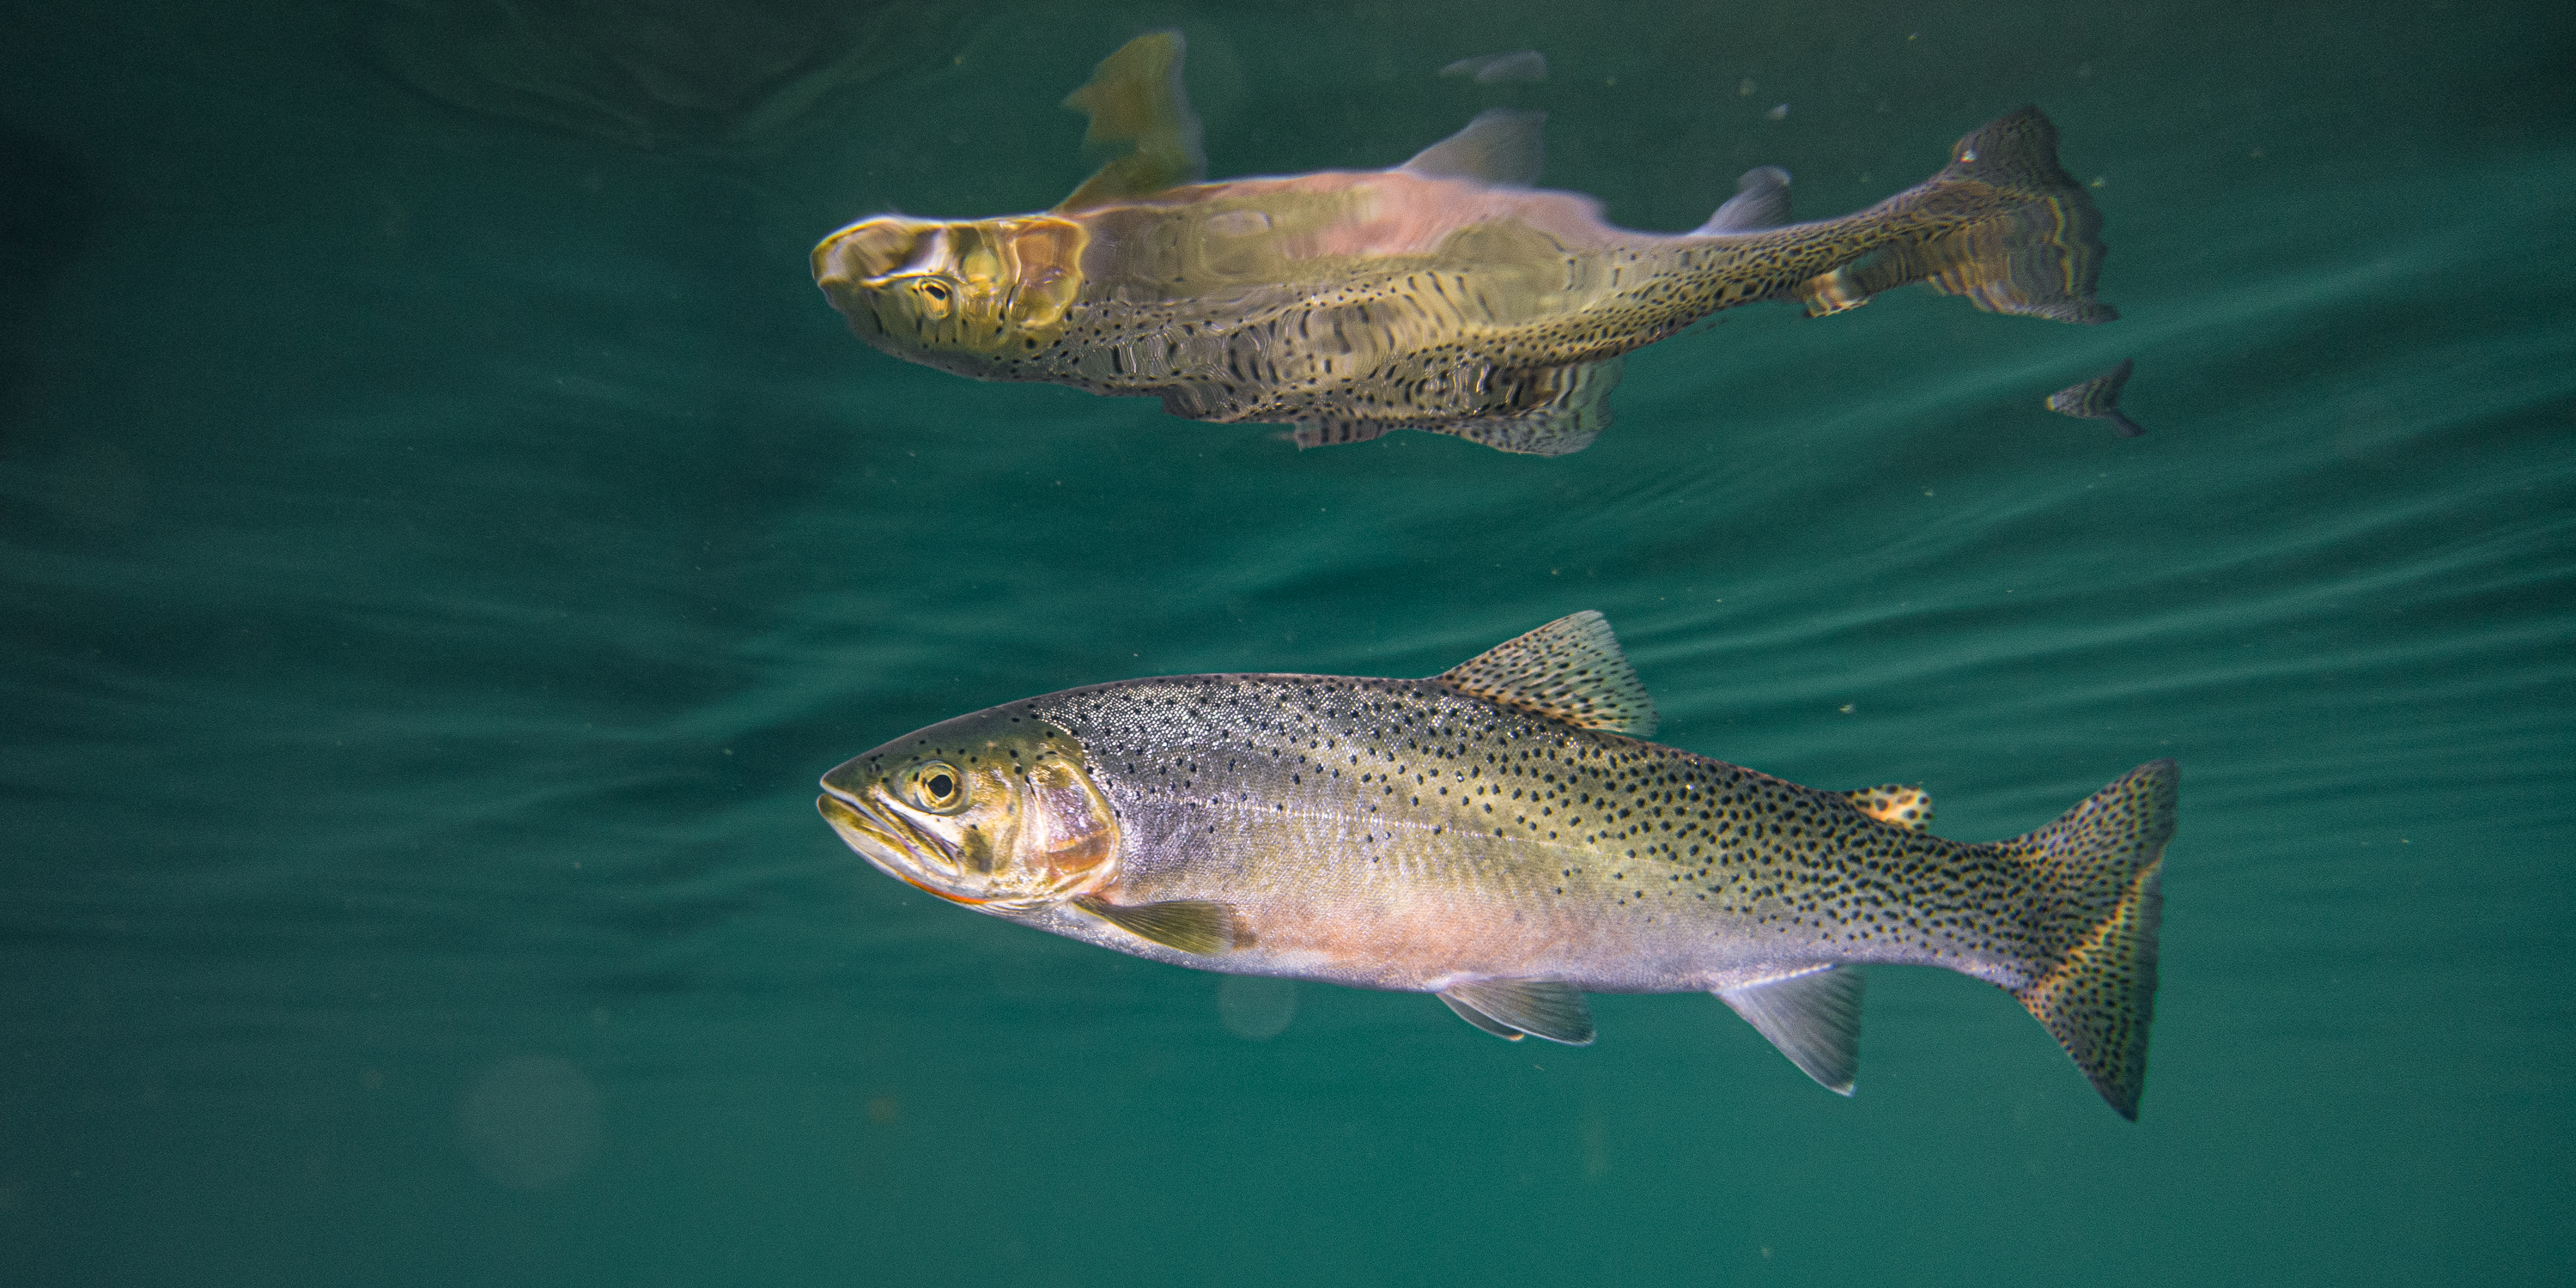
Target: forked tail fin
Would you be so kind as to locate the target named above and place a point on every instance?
(2101, 865)
(2002, 224)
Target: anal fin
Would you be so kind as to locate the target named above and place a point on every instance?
(1510, 1007)
(1812, 1016)
(1194, 926)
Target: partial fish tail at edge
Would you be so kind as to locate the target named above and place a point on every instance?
(2100, 868)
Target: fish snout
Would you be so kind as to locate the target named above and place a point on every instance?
(884, 838)
(868, 249)
(870, 272)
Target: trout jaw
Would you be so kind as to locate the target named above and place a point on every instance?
(986, 289)
(1011, 830)
(880, 841)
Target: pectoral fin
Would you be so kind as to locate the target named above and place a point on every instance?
(1508, 1008)
(1194, 926)
(1813, 1017)
(1136, 102)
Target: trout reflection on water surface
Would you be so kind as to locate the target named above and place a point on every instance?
(1445, 294)
(1501, 835)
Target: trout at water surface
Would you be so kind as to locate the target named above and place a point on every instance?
(1444, 295)
(1501, 836)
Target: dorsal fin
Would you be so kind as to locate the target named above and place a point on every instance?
(1135, 100)
(1907, 807)
(1570, 669)
(1503, 146)
(1761, 201)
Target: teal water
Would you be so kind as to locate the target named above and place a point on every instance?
(443, 536)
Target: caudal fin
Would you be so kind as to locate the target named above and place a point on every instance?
(2098, 399)
(2101, 865)
(2002, 224)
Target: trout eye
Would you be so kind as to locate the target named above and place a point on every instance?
(939, 787)
(935, 294)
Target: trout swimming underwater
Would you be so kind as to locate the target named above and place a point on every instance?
(1500, 835)
(1444, 295)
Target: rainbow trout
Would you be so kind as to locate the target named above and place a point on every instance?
(1445, 294)
(1500, 835)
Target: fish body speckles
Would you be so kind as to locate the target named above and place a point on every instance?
(1445, 294)
(1492, 835)
(1396, 833)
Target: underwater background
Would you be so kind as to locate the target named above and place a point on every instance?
(444, 535)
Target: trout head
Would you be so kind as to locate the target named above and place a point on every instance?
(994, 809)
(962, 295)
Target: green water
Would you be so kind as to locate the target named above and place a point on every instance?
(443, 536)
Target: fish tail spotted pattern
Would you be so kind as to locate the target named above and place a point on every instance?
(2098, 399)
(2099, 869)
(2003, 224)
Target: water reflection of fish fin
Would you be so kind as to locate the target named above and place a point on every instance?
(1549, 431)
(1562, 409)
(1333, 433)
(1571, 669)
(1761, 201)
(2098, 399)
(1518, 65)
(1567, 406)
(2031, 246)
(1813, 1017)
(1505, 147)
(1136, 101)
(1542, 1008)
(1906, 807)
(1190, 925)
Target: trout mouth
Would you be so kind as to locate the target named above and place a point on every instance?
(888, 840)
